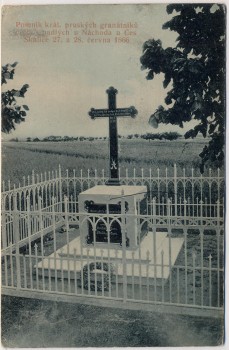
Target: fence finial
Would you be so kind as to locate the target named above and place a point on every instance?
(33, 177)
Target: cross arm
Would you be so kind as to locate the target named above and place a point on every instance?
(117, 112)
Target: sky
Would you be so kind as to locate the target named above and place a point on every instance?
(67, 79)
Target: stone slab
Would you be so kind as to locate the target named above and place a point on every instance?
(106, 190)
(137, 261)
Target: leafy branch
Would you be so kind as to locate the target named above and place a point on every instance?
(12, 112)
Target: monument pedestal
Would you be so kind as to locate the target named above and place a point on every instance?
(101, 239)
(107, 201)
(111, 230)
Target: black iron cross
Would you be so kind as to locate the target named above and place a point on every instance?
(112, 112)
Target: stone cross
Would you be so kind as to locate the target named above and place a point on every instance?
(112, 113)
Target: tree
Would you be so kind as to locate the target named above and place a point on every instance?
(170, 135)
(195, 70)
(12, 113)
(14, 140)
(147, 136)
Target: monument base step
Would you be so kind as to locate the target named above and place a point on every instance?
(142, 261)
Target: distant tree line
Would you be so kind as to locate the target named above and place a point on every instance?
(158, 136)
(148, 136)
(161, 136)
(62, 139)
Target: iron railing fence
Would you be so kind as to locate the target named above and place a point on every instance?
(51, 261)
(178, 187)
(42, 217)
(29, 223)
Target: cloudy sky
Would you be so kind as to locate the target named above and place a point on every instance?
(66, 79)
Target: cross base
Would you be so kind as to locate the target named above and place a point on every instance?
(113, 182)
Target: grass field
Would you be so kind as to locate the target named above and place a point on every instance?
(20, 158)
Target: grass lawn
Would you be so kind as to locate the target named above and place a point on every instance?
(35, 323)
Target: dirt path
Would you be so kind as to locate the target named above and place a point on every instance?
(35, 323)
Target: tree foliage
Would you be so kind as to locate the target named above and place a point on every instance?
(194, 74)
(12, 112)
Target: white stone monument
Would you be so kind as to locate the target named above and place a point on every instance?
(106, 199)
(137, 246)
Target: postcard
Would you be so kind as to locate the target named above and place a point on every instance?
(113, 175)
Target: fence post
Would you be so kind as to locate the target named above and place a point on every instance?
(184, 183)
(218, 213)
(96, 177)
(170, 248)
(66, 216)
(67, 183)
(74, 185)
(60, 188)
(175, 188)
(3, 235)
(185, 211)
(16, 238)
(41, 225)
(202, 266)
(29, 240)
(124, 247)
(186, 264)
(169, 211)
(154, 210)
(127, 175)
(88, 178)
(194, 276)
(39, 206)
(54, 241)
(158, 185)
(210, 278)
(81, 179)
(34, 194)
(103, 176)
